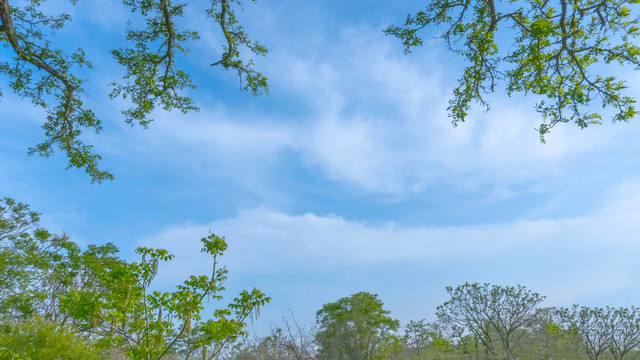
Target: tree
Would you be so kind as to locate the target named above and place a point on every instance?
(554, 53)
(595, 325)
(495, 315)
(28, 254)
(296, 339)
(51, 78)
(100, 297)
(419, 335)
(353, 327)
(291, 341)
(625, 337)
(550, 338)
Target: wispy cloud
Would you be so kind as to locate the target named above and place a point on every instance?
(263, 240)
(374, 121)
(589, 260)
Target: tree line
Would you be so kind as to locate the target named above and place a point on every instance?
(58, 301)
(479, 321)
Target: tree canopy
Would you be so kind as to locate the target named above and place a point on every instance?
(493, 314)
(40, 71)
(94, 297)
(551, 49)
(478, 322)
(353, 327)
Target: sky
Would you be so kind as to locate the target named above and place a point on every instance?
(347, 177)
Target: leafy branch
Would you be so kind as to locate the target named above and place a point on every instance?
(20, 29)
(153, 76)
(555, 46)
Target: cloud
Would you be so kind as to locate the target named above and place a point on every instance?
(264, 239)
(351, 109)
(373, 120)
(565, 258)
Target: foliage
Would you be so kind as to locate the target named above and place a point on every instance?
(39, 339)
(353, 327)
(49, 76)
(548, 338)
(28, 254)
(99, 296)
(289, 341)
(58, 301)
(15, 218)
(421, 335)
(614, 331)
(547, 333)
(495, 315)
(554, 53)
(625, 337)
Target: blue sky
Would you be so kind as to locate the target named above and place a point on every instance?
(348, 177)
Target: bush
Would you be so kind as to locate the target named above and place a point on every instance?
(43, 340)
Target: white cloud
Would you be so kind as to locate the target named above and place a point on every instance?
(370, 118)
(376, 121)
(569, 258)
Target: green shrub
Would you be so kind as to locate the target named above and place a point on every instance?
(37, 339)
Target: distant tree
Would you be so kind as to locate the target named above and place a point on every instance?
(289, 341)
(298, 340)
(547, 338)
(353, 327)
(595, 325)
(391, 348)
(625, 338)
(39, 70)
(420, 335)
(417, 335)
(267, 347)
(28, 255)
(551, 49)
(495, 315)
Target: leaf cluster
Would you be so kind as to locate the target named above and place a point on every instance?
(353, 327)
(555, 53)
(154, 78)
(109, 302)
